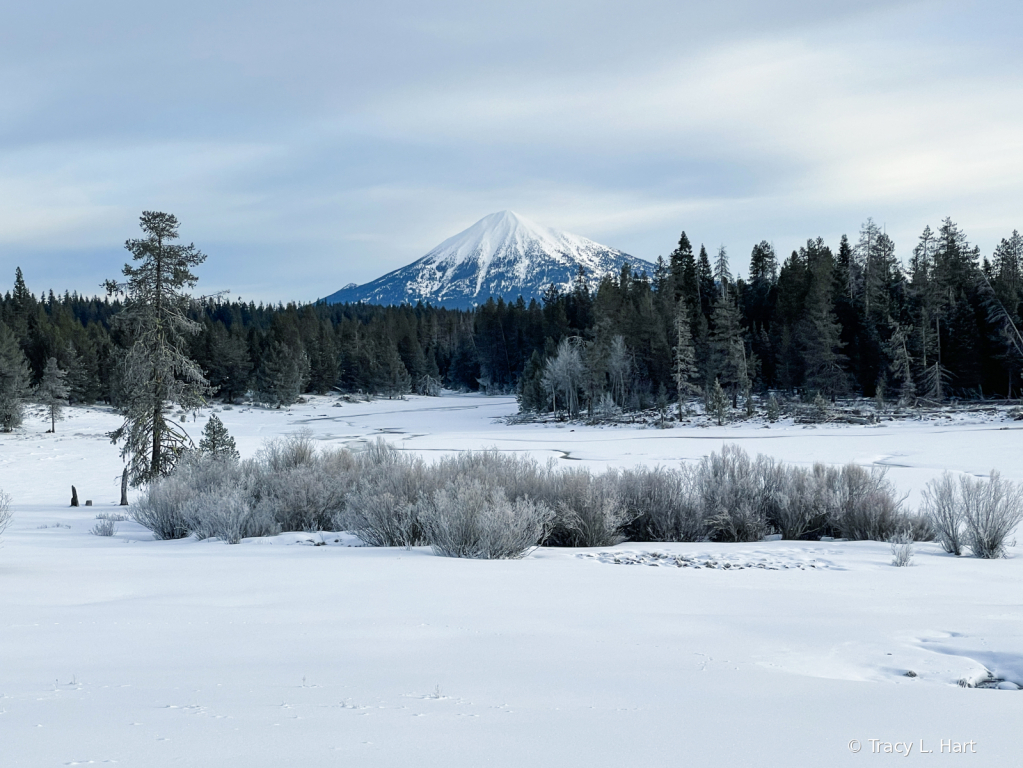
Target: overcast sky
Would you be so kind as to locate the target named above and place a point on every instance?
(306, 145)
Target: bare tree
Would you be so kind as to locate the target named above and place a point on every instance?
(564, 372)
(619, 367)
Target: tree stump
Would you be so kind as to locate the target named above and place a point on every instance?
(124, 487)
(74, 496)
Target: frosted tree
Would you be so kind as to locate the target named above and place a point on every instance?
(867, 258)
(14, 379)
(684, 369)
(900, 361)
(52, 391)
(564, 372)
(156, 371)
(217, 442)
(722, 274)
(619, 369)
(727, 346)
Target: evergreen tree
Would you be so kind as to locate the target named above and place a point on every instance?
(728, 354)
(685, 355)
(530, 390)
(718, 404)
(705, 285)
(156, 371)
(722, 274)
(819, 334)
(281, 376)
(683, 271)
(77, 379)
(52, 391)
(217, 442)
(14, 380)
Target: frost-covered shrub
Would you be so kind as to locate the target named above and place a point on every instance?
(301, 489)
(226, 514)
(663, 502)
(467, 518)
(103, 527)
(902, 549)
(303, 498)
(382, 519)
(518, 475)
(992, 509)
(588, 510)
(944, 510)
(283, 454)
(803, 499)
(733, 496)
(5, 511)
(381, 509)
(162, 508)
(116, 517)
(867, 507)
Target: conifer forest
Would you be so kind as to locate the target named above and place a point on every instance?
(939, 321)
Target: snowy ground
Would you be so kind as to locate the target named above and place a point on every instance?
(278, 652)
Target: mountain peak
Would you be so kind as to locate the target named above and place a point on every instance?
(502, 254)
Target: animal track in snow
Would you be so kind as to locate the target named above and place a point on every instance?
(730, 562)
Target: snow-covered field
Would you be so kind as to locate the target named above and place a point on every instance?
(277, 652)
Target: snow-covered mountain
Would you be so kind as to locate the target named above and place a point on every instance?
(502, 254)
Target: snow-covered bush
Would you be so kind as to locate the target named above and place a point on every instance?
(103, 527)
(518, 475)
(902, 549)
(381, 508)
(588, 510)
(5, 511)
(803, 499)
(991, 509)
(866, 505)
(162, 508)
(283, 454)
(944, 510)
(663, 502)
(733, 495)
(302, 498)
(467, 518)
(227, 514)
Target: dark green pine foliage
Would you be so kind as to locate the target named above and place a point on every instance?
(947, 311)
(282, 375)
(217, 442)
(818, 333)
(728, 359)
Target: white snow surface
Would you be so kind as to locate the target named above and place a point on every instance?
(276, 652)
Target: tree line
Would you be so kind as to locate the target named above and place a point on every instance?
(851, 320)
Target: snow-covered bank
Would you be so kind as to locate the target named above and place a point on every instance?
(278, 652)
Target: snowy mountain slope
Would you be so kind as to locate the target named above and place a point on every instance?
(502, 254)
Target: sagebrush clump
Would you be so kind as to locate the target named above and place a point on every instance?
(5, 511)
(488, 504)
